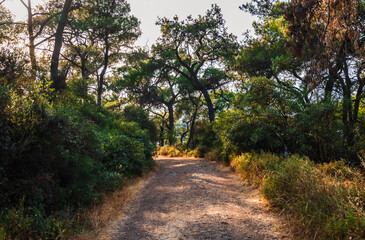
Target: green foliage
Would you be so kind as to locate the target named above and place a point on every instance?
(20, 222)
(129, 153)
(272, 117)
(203, 140)
(191, 47)
(140, 116)
(62, 156)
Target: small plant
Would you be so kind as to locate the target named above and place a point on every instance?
(213, 155)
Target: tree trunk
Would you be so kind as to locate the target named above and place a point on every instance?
(33, 60)
(192, 126)
(211, 110)
(59, 81)
(162, 140)
(329, 84)
(184, 134)
(103, 72)
(171, 124)
(84, 71)
(347, 116)
(357, 100)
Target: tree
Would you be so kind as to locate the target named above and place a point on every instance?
(153, 85)
(267, 55)
(188, 108)
(36, 23)
(332, 46)
(316, 52)
(5, 24)
(192, 46)
(59, 80)
(12, 61)
(115, 28)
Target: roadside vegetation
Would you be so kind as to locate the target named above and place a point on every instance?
(59, 158)
(294, 126)
(61, 147)
(321, 201)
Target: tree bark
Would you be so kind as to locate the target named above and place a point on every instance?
(358, 99)
(211, 110)
(183, 135)
(162, 140)
(329, 84)
(192, 128)
(171, 124)
(33, 60)
(103, 72)
(59, 81)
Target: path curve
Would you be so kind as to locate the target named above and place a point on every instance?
(197, 199)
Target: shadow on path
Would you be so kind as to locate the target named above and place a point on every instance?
(196, 199)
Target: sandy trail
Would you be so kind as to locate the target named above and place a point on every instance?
(197, 199)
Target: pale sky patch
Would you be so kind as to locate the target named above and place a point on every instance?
(147, 12)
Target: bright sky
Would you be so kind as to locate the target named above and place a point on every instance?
(147, 11)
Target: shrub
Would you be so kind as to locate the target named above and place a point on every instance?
(327, 201)
(255, 167)
(193, 153)
(213, 155)
(135, 114)
(27, 223)
(170, 151)
(60, 158)
(129, 153)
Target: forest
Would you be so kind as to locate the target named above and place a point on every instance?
(83, 109)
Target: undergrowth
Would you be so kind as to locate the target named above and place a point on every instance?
(326, 201)
(59, 157)
(175, 151)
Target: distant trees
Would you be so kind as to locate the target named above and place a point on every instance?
(189, 59)
(198, 50)
(152, 85)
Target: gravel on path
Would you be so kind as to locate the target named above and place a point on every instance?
(198, 199)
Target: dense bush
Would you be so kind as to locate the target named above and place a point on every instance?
(59, 157)
(140, 116)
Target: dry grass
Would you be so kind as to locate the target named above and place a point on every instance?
(212, 155)
(178, 151)
(106, 216)
(170, 151)
(320, 201)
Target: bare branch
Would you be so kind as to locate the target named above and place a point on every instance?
(25, 5)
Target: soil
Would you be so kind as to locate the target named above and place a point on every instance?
(198, 199)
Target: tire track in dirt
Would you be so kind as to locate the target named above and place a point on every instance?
(197, 199)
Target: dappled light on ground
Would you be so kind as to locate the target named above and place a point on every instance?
(197, 199)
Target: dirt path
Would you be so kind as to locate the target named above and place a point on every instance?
(197, 199)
